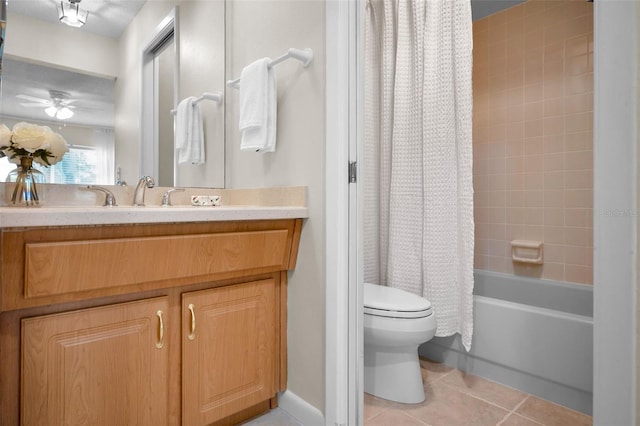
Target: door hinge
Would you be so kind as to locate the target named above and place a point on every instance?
(353, 171)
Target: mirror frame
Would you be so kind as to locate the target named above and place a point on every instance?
(149, 138)
(3, 26)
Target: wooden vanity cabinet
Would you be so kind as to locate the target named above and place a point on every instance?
(194, 346)
(101, 366)
(229, 347)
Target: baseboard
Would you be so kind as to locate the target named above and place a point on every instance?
(297, 407)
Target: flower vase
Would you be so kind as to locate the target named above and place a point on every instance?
(26, 178)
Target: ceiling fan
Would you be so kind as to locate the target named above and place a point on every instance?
(59, 106)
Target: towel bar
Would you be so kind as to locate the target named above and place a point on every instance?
(215, 96)
(303, 55)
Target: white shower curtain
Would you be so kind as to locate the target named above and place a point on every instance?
(418, 212)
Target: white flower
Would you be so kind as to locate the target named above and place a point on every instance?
(57, 147)
(39, 142)
(30, 137)
(5, 135)
(5, 141)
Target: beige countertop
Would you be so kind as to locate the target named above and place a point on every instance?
(73, 206)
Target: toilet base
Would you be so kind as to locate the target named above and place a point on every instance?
(393, 373)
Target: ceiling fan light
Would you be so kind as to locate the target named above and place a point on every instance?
(64, 113)
(51, 111)
(70, 13)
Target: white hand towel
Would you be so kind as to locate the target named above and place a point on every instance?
(189, 132)
(258, 107)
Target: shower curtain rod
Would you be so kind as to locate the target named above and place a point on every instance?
(303, 55)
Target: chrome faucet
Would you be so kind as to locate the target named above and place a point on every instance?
(109, 200)
(119, 180)
(166, 198)
(138, 195)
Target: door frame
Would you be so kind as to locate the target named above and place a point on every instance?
(343, 304)
(170, 24)
(615, 211)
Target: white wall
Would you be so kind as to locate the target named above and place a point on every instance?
(41, 41)
(202, 42)
(256, 29)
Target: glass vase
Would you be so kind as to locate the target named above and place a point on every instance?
(26, 178)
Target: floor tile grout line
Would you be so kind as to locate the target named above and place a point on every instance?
(382, 410)
(480, 398)
(526, 395)
(506, 416)
(522, 415)
(513, 411)
(530, 419)
(415, 418)
(521, 403)
(441, 377)
(404, 413)
(564, 407)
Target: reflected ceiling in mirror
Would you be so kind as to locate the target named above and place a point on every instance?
(30, 90)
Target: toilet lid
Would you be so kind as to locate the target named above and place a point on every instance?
(393, 302)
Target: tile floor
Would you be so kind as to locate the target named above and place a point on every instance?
(275, 417)
(455, 398)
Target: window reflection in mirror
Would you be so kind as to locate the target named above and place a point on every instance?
(30, 89)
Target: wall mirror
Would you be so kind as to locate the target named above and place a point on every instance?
(47, 64)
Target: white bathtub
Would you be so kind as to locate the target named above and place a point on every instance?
(533, 335)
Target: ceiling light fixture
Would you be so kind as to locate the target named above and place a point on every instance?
(69, 12)
(61, 113)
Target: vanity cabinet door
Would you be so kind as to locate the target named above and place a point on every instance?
(100, 366)
(228, 350)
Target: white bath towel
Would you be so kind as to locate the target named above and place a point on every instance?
(258, 107)
(189, 132)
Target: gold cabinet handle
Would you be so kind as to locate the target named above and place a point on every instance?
(160, 341)
(192, 332)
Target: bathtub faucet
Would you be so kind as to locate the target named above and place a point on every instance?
(138, 195)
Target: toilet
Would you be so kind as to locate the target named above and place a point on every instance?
(396, 322)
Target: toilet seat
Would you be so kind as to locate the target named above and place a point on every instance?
(394, 303)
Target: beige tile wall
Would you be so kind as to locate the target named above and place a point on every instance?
(533, 150)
